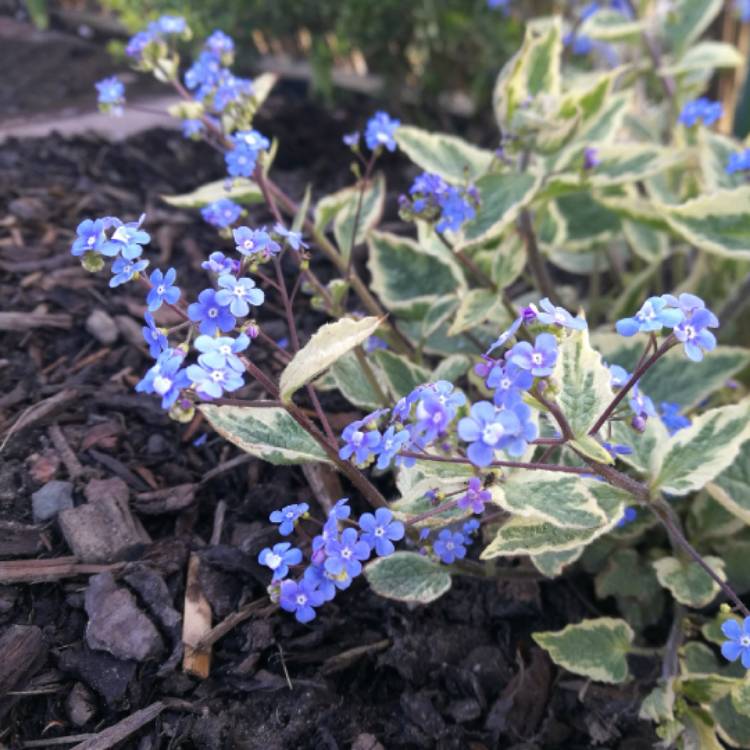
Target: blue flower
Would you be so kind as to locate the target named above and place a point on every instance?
(619, 376)
(380, 130)
(315, 576)
(137, 44)
(475, 497)
(629, 515)
(359, 443)
(162, 289)
(673, 420)
(539, 359)
(590, 158)
(433, 199)
(654, 315)
(579, 44)
(288, 516)
(255, 241)
(300, 598)
(617, 449)
(124, 270)
(345, 555)
(192, 127)
(738, 645)
(222, 351)
(738, 162)
(559, 316)
(169, 24)
(154, 337)
(379, 531)
(218, 43)
(238, 294)
(211, 314)
(111, 95)
(293, 239)
(506, 335)
(279, 558)
(240, 161)
(390, 444)
(251, 139)
(641, 404)
(352, 139)
(230, 89)
(700, 109)
(203, 72)
(509, 382)
(436, 409)
(127, 240)
(502, 5)
(165, 378)
(450, 546)
(694, 334)
(340, 510)
(219, 264)
(90, 237)
(211, 382)
(221, 213)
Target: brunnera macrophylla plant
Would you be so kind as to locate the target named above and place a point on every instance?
(614, 438)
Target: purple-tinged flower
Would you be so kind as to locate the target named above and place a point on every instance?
(373, 343)
(450, 546)
(241, 161)
(352, 139)
(90, 237)
(475, 497)
(654, 315)
(315, 576)
(403, 406)
(219, 44)
(221, 213)
(165, 378)
(673, 420)
(211, 314)
(111, 95)
(641, 404)
(238, 294)
(301, 598)
(433, 199)
(345, 554)
(390, 444)
(255, 242)
(154, 337)
(580, 44)
(192, 128)
(288, 516)
(340, 510)
(137, 44)
(619, 376)
(379, 531)
(231, 88)
(220, 352)
(212, 382)
(361, 444)
(219, 264)
(380, 131)
(162, 289)
(127, 239)
(738, 645)
(279, 558)
(506, 335)
(617, 449)
(470, 527)
(694, 334)
(700, 109)
(591, 159)
(539, 359)
(559, 316)
(508, 382)
(629, 515)
(292, 238)
(738, 162)
(124, 270)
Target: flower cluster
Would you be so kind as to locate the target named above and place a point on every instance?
(738, 162)
(432, 199)
(111, 95)
(380, 132)
(705, 110)
(148, 45)
(242, 158)
(222, 213)
(687, 316)
(336, 555)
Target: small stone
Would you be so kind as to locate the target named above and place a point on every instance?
(80, 705)
(110, 677)
(366, 741)
(116, 624)
(48, 501)
(102, 327)
(464, 710)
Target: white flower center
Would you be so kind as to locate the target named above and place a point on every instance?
(505, 383)
(379, 531)
(492, 433)
(160, 289)
(536, 358)
(357, 437)
(382, 137)
(217, 376)
(745, 641)
(449, 545)
(162, 384)
(301, 600)
(213, 312)
(346, 553)
(689, 332)
(239, 291)
(225, 350)
(91, 240)
(273, 560)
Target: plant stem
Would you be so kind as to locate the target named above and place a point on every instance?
(534, 256)
(370, 375)
(501, 464)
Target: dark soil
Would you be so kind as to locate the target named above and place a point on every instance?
(367, 673)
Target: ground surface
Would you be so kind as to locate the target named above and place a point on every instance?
(460, 673)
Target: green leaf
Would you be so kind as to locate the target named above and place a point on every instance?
(646, 242)
(408, 577)
(687, 581)
(611, 26)
(401, 375)
(242, 191)
(700, 453)
(733, 726)
(452, 368)
(706, 55)
(585, 383)
(552, 564)
(731, 487)
(476, 306)
(714, 151)
(608, 121)
(586, 221)
(625, 574)
(688, 19)
(502, 196)
(643, 443)
(508, 261)
(326, 345)
(658, 705)
(718, 222)
(561, 499)
(353, 384)
(262, 86)
(406, 275)
(593, 648)
(450, 157)
(269, 433)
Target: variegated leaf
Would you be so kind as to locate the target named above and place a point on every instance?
(408, 577)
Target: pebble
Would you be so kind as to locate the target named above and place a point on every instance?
(48, 501)
(80, 705)
(102, 327)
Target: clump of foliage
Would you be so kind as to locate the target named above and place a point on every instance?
(625, 447)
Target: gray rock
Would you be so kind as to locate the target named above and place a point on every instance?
(80, 705)
(116, 624)
(102, 327)
(48, 501)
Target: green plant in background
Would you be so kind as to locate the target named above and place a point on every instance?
(569, 443)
